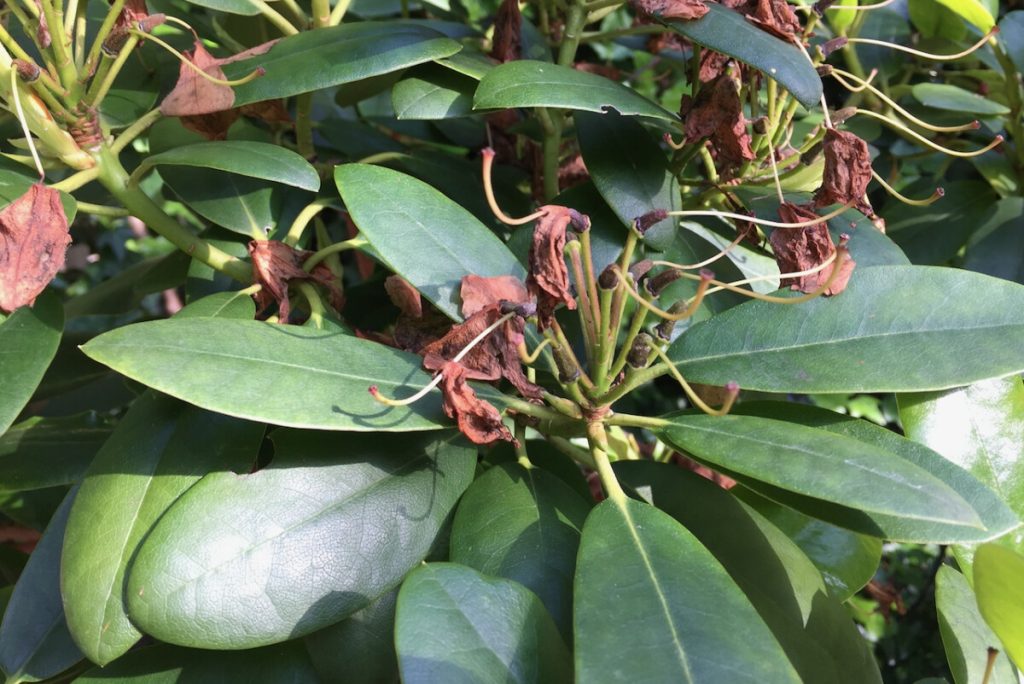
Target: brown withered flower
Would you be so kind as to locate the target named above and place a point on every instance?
(548, 277)
(776, 17)
(417, 324)
(687, 10)
(717, 114)
(479, 292)
(478, 420)
(847, 171)
(507, 43)
(33, 241)
(802, 249)
(276, 265)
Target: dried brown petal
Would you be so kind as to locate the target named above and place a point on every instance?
(268, 111)
(193, 94)
(507, 28)
(717, 113)
(479, 292)
(33, 240)
(276, 265)
(671, 9)
(801, 249)
(847, 171)
(776, 17)
(712, 65)
(212, 126)
(548, 278)
(477, 419)
(404, 296)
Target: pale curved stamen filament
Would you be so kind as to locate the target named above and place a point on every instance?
(705, 280)
(775, 168)
(701, 264)
(925, 141)
(24, 124)
(492, 202)
(760, 221)
(672, 143)
(437, 378)
(781, 276)
(934, 197)
(732, 388)
(254, 74)
(841, 76)
(928, 55)
(838, 8)
(527, 357)
(864, 83)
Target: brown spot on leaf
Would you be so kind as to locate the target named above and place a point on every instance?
(477, 419)
(802, 249)
(479, 292)
(33, 241)
(507, 28)
(548, 278)
(847, 171)
(276, 265)
(686, 10)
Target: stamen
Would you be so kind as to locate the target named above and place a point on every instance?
(864, 83)
(925, 141)
(24, 124)
(841, 75)
(928, 55)
(701, 264)
(838, 259)
(251, 76)
(529, 358)
(488, 156)
(763, 278)
(375, 392)
(938, 194)
(775, 167)
(672, 143)
(732, 388)
(764, 222)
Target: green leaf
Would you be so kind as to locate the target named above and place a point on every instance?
(787, 590)
(524, 525)
(639, 618)
(626, 165)
(243, 7)
(818, 464)
(996, 518)
(285, 663)
(435, 93)
(46, 452)
(1000, 592)
(29, 339)
(248, 206)
(236, 305)
(894, 329)
(422, 235)
(319, 378)
(847, 560)
(726, 31)
(997, 247)
(327, 57)
(360, 648)
(1011, 35)
(242, 157)
(974, 11)
(457, 625)
(965, 636)
(951, 98)
(34, 639)
(160, 448)
(335, 521)
(527, 83)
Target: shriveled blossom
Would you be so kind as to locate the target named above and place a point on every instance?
(717, 114)
(276, 265)
(802, 249)
(477, 419)
(687, 10)
(776, 17)
(847, 171)
(33, 241)
(507, 43)
(548, 278)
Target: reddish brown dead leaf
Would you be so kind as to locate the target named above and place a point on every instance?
(276, 265)
(404, 296)
(847, 171)
(477, 419)
(417, 325)
(548, 278)
(717, 114)
(776, 17)
(479, 292)
(193, 94)
(801, 249)
(507, 29)
(686, 10)
(33, 241)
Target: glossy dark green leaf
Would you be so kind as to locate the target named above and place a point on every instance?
(895, 328)
(1011, 35)
(335, 521)
(235, 305)
(125, 291)
(319, 378)
(847, 560)
(360, 648)
(997, 573)
(974, 11)
(545, 455)
(242, 157)
(788, 592)
(638, 616)
(34, 639)
(160, 448)
(326, 57)
(725, 30)
(997, 248)
(285, 663)
(819, 464)
(244, 7)
(528, 83)
(951, 98)
(422, 235)
(524, 525)
(456, 625)
(435, 93)
(959, 213)
(243, 205)
(28, 342)
(626, 165)
(965, 636)
(995, 516)
(47, 452)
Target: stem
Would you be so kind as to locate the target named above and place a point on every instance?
(629, 420)
(60, 44)
(338, 13)
(15, 49)
(311, 262)
(96, 49)
(599, 450)
(135, 130)
(102, 210)
(307, 214)
(99, 88)
(115, 179)
(316, 306)
(275, 18)
(552, 126)
(633, 380)
(304, 125)
(321, 13)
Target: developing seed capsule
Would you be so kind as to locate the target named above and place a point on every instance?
(640, 351)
